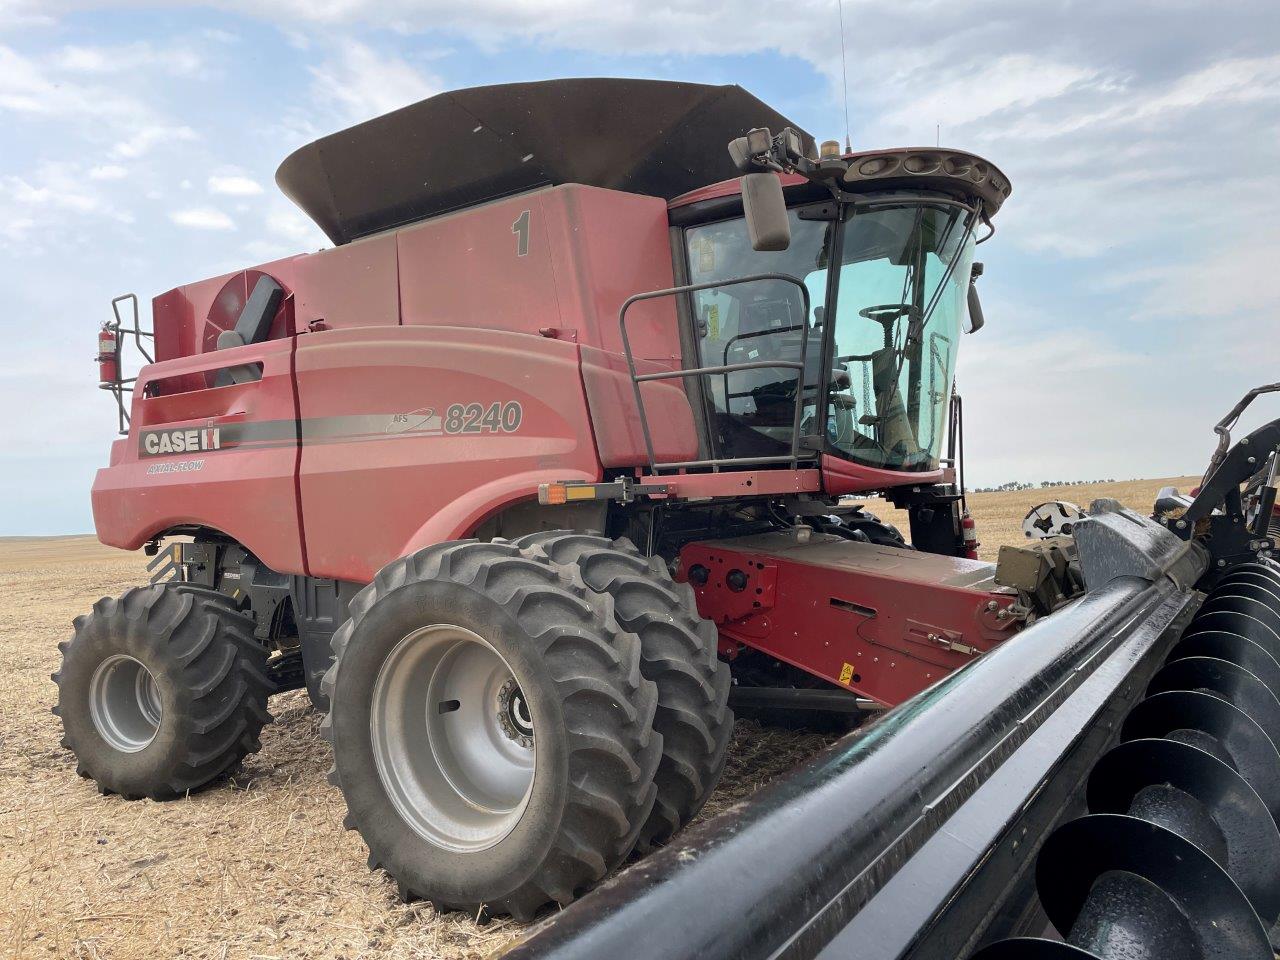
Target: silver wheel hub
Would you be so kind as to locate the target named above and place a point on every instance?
(452, 738)
(124, 703)
(513, 714)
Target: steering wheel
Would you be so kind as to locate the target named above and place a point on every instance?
(889, 312)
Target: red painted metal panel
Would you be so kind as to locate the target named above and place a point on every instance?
(738, 483)
(726, 188)
(880, 621)
(611, 399)
(605, 247)
(356, 285)
(245, 490)
(841, 477)
(402, 446)
(488, 266)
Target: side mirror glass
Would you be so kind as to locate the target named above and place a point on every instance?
(766, 212)
(976, 320)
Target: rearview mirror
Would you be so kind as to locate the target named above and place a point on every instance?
(766, 212)
(976, 320)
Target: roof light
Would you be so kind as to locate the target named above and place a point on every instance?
(830, 150)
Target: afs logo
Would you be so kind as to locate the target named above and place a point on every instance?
(159, 443)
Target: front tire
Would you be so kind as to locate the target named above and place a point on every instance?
(161, 691)
(491, 728)
(678, 653)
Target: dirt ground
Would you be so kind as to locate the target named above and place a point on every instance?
(260, 867)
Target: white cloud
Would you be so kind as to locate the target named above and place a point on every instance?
(58, 186)
(143, 140)
(32, 88)
(1016, 81)
(288, 223)
(234, 185)
(362, 83)
(218, 35)
(108, 171)
(202, 218)
(176, 60)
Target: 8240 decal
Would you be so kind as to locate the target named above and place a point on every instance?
(477, 418)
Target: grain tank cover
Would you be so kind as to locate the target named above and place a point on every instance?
(462, 148)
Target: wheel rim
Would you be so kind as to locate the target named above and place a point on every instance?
(124, 703)
(452, 738)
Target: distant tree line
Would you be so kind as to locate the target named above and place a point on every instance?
(1021, 485)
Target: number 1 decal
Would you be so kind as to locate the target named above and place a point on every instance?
(521, 229)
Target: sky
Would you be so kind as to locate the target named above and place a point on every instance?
(1130, 291)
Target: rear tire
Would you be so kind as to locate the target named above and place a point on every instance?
(678, 653)
(161, 691)
(444, 809)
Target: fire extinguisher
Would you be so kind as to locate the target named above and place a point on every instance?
(108, 356)
(969, 531)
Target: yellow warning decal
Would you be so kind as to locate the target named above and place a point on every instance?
(713, 321)
(846, 673)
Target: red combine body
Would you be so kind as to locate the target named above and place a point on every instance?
(582, 362)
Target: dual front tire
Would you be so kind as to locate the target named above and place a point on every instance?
(509, 724)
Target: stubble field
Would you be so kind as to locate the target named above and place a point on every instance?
(259, 867)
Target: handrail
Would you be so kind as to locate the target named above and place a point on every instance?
(637, 378)
(123, 385)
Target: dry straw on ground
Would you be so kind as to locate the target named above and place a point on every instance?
(259, 867)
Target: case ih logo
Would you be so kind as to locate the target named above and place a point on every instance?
(159, 443)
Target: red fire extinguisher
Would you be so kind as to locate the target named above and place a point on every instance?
(969, 530)
(108, 355)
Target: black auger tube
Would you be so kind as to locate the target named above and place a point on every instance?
(788, 872)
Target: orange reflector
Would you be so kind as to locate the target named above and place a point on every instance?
(586, 492)
(552, 494)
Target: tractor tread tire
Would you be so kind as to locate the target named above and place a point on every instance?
(611, 759)
(211, 673)
(678, 653)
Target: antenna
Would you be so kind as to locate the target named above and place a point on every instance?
(844, 74)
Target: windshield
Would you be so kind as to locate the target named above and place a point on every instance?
(900, 301)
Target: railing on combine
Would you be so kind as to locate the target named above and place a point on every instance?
(792, 458)
(110, 368)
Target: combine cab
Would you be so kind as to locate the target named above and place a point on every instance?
(546, 467)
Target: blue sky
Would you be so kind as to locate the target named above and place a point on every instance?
(1130, 291)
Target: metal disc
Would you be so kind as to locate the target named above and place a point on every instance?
(1032, 948)
(1227, 680)
(1268, 581)
(1218, 917)
(1245, 840)
(444, 724)
(1263, 570)
(124, 703)
(1233, 647)
(1234, 736)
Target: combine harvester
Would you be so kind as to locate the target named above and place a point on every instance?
(543, 467)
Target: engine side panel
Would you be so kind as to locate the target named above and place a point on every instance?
(415, 434)
(222, 457)
(881, 621)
